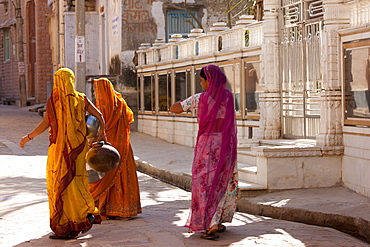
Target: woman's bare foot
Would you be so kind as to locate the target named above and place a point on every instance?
(210, 233)
(213, 229)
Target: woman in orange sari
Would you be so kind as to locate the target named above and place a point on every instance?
(117, 193)
(71, 205)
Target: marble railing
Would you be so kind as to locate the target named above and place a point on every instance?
(359, 12)
(220, 39)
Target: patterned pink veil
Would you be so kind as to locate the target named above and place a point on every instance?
(210, 121)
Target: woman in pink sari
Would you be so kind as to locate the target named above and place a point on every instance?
(214, 171)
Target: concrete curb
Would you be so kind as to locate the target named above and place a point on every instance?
(355, 226)
(182, 181)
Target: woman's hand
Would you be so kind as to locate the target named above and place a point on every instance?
(40, 128)
(24, 140)
(90, 142)
(102, 136)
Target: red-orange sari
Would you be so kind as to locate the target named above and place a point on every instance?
(117, 193)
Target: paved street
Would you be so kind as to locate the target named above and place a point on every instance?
(24, 218)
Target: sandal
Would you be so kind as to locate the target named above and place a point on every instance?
(222, 229)
(91, 219)
(86, 230)
(111, 217)
(62, 236)
(210, 236)
(119, 218)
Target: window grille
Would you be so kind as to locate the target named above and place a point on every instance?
(180, 22)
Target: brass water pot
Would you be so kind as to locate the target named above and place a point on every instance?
(102, 157)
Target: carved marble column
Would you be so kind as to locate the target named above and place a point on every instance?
(336, 16)
(270, 100)
(270, 121)
(331, 131)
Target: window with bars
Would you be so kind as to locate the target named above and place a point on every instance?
(253, 89)
(6, 44)
(357, 82)
(182, 85)
(149, 93)
(180, 22)
(164, 91)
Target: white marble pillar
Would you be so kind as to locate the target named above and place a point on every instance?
(270, 100)
(336, 17)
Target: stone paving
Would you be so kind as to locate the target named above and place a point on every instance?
(24, 219)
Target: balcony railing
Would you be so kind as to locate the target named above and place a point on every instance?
(359, 12)
(220, 39)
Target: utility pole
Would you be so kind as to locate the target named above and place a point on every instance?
(228, 14)
(80, 54)
(20, 53)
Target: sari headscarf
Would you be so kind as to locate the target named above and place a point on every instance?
(71, 106)
(67, 184)
(118, 191)
(210, 122)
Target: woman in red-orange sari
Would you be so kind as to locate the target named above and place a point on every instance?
(71, 205)
(117, 193)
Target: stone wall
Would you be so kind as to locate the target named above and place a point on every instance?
(356, 160)
(91, 42)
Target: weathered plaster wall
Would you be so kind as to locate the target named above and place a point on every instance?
(159, 19)
(91, 42)
(114, 22)
(138, 25)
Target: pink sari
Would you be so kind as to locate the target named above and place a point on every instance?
(214, 182)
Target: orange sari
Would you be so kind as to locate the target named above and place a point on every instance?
(68, 192)
(117, 193)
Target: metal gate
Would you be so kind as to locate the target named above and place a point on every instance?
(301, 71)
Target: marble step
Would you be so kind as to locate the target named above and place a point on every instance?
(248, 172)
(249, 189)
(245, 156)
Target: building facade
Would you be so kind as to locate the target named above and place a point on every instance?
(300, 79)
(32, 60)
(114, 30)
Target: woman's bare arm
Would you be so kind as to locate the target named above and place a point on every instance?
(176, 108)
(40, 128)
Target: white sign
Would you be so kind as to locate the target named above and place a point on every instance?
(80, 49)
(21, 68)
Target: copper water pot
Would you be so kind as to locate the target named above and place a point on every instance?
(102, 157)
